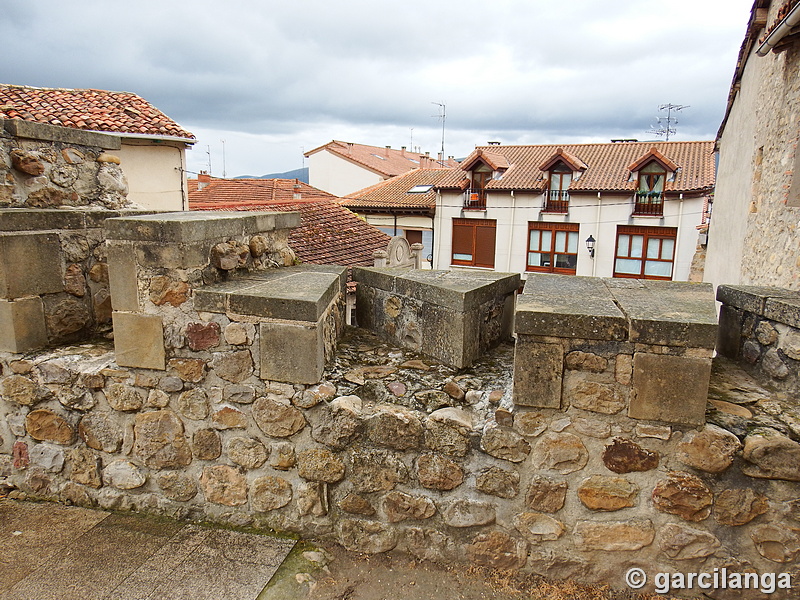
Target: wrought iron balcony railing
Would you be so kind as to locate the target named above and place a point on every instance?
(556, 201)
(649, 204)
(475, 199)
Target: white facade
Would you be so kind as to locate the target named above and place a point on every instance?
(598, 215)
(338, 176)
(156, 173)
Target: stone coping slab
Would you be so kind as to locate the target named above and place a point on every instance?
(195, 226)
(783, 310)
(753, 298)
(569, 307)
(669, 313)
(300, 293)
(44, 219)
(457, 290)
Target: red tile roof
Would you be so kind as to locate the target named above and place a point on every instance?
(384, 161)
(92, 110)
(329, 234)
(394, 193)
(607, 166)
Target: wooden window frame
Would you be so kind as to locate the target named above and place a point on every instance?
(648, 233)
(487, 227)
(553, 228)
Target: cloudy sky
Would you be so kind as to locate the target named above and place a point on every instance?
(276, 78)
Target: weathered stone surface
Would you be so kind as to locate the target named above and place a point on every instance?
(497, 550)
(247, 452)
(656, 397)
(771, 457)
(739, 506)
(45, 425)
(591, 427)
(193, 404)
(463, 512)
(531, 424)
(445, 436)
(562, 452)
(603, 493)
(20, 390)
(312, 498)
(202, 336)
(680, 542)
(790, 345)
(20, 455)
(337, 424)
(585, 361)
(594, 396)
(229, 417)
(356, 504)
(27, 162)
(233, 366)
(123, 397)
(282, 456)
(240, 394)
(206, 444)
(46, 457)
(84, 467)
(236, 334)
(270, 493)
(775, 543)
(74, 281)
(438, 473)
(170, 384)
(177, 486)
(537, 373)
(160, 442)
(711, 450)
(164, 290)
(498, 482)
(156, 399)
(773, 364)
(684, 495)
(377, 471)
(52, 372)
(433, 400)
(428, 543)
(504, 443)
(322, 392)
(100, 431)
(625, 456)
(395, 427)
(452, 389)
(545, 494)
(277, 419)
(189, 369)
(223, 484)
(369, 537)
(614, 536)
(124, 475)
(65, 316)
(399, 506)
(538, 527)
(659, 432)
(320, 464)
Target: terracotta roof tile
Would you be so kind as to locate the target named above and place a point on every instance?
(329, 234)
(93, 110)
(394, 192)
(385, 161)
(607, 166)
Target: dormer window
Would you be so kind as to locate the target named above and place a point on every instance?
(650, 190)
(476, 195)
(557, 194)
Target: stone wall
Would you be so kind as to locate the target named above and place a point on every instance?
(760, 329)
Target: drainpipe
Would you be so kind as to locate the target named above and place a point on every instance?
(511, 233)
(780, 32)
(678, 238)
(597, 231)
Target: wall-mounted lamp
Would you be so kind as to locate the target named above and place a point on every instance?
(590, 241)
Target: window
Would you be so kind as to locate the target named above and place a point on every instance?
(553, 247)
(420, 189)
(476, 195)
(557, 196)
(645, 252)
(650, 191)
(473, 242)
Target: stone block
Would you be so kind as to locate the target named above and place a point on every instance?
(729, 335)
(292, 352)
(569, 307)
(55, 133)
(783, 310)
(139, 341)
(22, 325)
(30, 264)
(123, 277)
(656, 395)
(752, 298)
(537, 373)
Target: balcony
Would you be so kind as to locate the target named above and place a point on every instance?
(648, 204)
(556, 201)
(475, 199)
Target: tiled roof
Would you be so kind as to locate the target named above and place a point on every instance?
(92, 110)
(607, 166)
(384, 161)
(253, 190)
(394, 193)
(329, 234)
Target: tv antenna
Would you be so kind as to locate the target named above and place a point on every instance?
(208, 152)
(443, 116)
(224, 173)
(665, 125)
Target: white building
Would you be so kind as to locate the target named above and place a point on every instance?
(636, 205)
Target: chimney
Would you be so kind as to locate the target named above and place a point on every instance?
(387, 150)
(296, 195)
(494, 143)
(203, 179)
(441, 157)
(403, 150)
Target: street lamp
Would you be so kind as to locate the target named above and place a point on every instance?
(590, 241)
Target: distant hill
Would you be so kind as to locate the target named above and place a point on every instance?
(301, 174)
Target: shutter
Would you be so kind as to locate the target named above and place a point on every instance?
(462, 240)
(484, 246)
